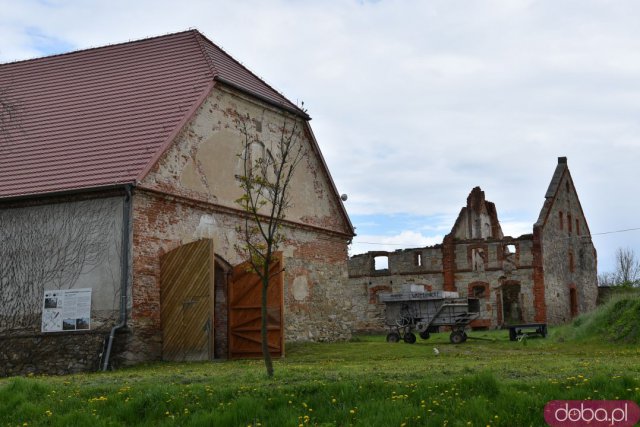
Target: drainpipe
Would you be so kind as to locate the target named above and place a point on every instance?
(124, 273)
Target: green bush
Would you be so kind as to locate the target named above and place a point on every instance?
(616, 321)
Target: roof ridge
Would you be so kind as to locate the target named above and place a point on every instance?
(86, 49)
(199, 39)
(205, 38)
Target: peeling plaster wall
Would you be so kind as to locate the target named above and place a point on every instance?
(315, 270)
(190, 194)
(203, 162)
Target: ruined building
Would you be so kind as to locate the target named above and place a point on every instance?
(547, 276)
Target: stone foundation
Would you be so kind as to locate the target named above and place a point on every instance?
(52, 354)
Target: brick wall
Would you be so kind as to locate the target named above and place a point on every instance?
(315, 268)
(449, 267)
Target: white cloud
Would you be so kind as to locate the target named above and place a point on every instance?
(402, 240)
(415, 103)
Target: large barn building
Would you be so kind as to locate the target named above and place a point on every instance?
(118, 220)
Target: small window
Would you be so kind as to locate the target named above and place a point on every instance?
(569, 225)
(478, 259)
(510, 249)
(478, 291)
(381, 262)
(577, 226)
(561, 217)
(566, 185)
(418, 259)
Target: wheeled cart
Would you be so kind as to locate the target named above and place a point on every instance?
(426, 312)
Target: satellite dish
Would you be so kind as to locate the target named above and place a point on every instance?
(344, 197)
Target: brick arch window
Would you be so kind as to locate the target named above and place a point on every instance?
(573, 300)
(477, 256)
(569, 225)
(374, 291)
(479, 290)
(561, 218)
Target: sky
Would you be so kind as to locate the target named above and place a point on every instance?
(414, 103)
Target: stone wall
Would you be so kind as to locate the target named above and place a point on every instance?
(476, 264)
(51, 354)
(569, 257)
(548, 276)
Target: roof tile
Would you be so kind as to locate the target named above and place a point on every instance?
(98, 117)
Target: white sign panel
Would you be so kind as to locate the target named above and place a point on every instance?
(66, 310)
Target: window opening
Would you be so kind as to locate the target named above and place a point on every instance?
(381, 262)
(573, 301)
(478, 291)
(560, 215)
(478, 259)
(569, 225)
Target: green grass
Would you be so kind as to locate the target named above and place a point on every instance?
(617, 321)
(366, 382)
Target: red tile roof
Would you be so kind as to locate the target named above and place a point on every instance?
(99, 117)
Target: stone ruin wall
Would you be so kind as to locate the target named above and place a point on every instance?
(569, 257)
(425, 267)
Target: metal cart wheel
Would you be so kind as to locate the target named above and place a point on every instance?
(393, 337)
(410, 338)
(456, 337)
(543, 331)
(425, 334)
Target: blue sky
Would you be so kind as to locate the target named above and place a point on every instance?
(414, 103)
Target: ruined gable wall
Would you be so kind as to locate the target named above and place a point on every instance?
(569, 257)
(486, 262)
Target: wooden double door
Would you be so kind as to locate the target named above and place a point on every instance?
(206, 317)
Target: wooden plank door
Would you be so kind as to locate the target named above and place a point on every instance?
(187, 302)
(245, 312)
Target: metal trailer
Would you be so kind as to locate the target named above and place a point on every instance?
(425, 312)
(526, 329)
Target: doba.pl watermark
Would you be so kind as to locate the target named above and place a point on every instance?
(592, 413)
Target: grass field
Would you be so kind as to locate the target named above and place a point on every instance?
(488, 381)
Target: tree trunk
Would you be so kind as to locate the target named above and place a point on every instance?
(265, 342)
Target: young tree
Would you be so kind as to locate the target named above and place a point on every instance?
(627, 267)
(607, 279)
(268, 166)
